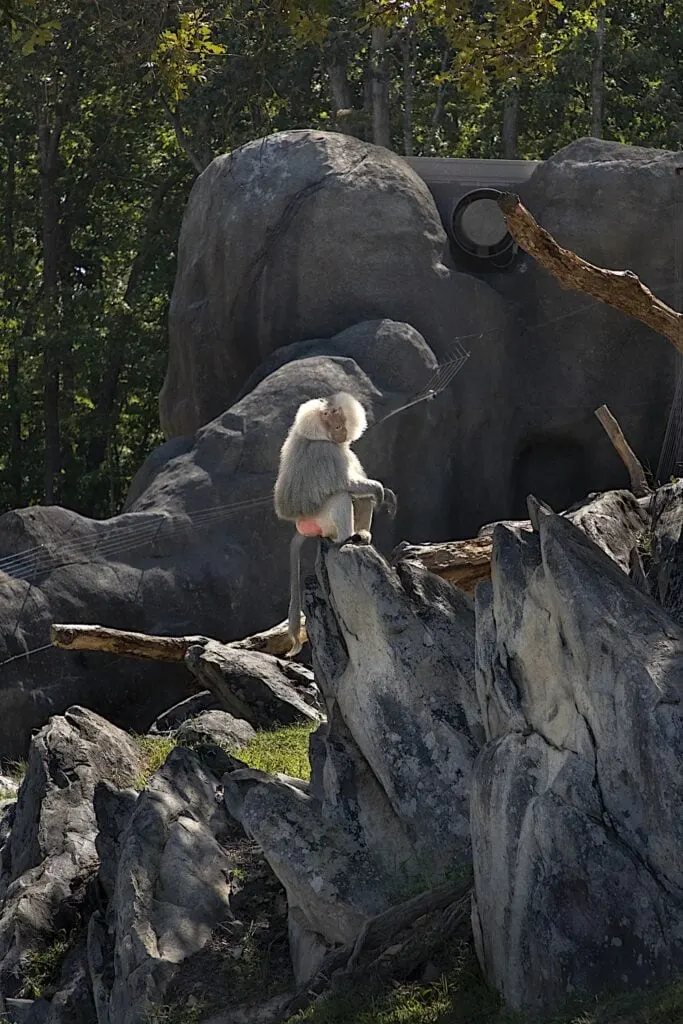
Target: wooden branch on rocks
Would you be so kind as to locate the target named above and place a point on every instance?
(429, 919)
(463, 562)
(639, 484)
(77, 637)
(621, 289)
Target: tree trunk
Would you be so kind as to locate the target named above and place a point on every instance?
(14, 468)
(48, 142)
(340, 87)
(15, 449)
(598, 77)
(511, 121)
(439, 104)
(407, 50)
(381, 120)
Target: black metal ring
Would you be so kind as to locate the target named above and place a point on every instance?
(486, 253)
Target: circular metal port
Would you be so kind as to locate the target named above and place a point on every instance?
(479, 230)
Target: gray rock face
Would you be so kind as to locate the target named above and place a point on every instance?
(50, 856)
(577, 797)
(601, 199)
(254, 687)
(388, 801)
(182, 712)
(172, 885)
(216, 727)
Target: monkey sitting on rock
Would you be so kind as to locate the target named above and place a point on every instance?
(322, 487)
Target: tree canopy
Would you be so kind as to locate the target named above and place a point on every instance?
(110, 110)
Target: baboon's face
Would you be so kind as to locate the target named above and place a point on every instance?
(334, 421)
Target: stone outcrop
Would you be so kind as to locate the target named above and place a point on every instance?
(387, 806)
(577, 796)
(50, 858)
(171, 886)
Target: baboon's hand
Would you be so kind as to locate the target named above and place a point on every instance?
(389, 505)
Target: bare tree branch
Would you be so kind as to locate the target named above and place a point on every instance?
(621, 289)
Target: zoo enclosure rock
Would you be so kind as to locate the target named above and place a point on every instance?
(50, 856)
(388, 801)
(279, 243)
(577, 796)
(172, 886)
(612, 205)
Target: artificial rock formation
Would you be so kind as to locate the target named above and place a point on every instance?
(49, 859)
(171, 888)
(577, 796)
(388, 802)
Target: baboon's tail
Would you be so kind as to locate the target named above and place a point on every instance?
(294, 617)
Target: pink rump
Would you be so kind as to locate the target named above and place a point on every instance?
(309, 528)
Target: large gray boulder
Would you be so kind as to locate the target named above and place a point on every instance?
(612, 204)
(577, 796)
(299, 236)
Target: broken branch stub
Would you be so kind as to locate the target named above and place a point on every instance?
(639, 484)
(621, 289)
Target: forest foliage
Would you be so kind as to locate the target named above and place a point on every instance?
(111, 109)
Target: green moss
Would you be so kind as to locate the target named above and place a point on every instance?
(282, 750)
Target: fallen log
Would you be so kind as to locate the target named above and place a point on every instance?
(621, 289)
(119, 641)
(78, 637)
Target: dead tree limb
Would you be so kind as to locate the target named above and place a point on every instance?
(463, 562)
(621, 289)
(639, 484)
(77, 637)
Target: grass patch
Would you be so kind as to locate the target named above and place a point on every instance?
(458, 997)
(153, 753)
(15, 771)
(279, 750)
(282, 750)
(43, 967)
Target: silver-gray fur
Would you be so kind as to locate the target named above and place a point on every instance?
(313, 471)
(314, 476)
